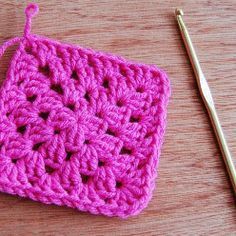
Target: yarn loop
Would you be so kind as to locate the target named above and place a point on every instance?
(30, 11)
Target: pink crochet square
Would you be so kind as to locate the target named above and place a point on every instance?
(80, 128)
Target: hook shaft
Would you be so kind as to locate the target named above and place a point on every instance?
(207, 98)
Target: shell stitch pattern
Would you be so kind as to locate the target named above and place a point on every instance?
(80, 128)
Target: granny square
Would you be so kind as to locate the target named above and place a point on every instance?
(80, 128)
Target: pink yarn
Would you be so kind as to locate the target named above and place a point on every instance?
(80, 128)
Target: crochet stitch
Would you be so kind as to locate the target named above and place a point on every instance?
(80, 128)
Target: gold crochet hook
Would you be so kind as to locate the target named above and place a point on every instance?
(207, 98)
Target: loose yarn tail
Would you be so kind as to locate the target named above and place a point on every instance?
(30, 11)
(9, 43)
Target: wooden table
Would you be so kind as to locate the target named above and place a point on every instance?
(193, 194)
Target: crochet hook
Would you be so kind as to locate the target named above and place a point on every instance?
(207, 98)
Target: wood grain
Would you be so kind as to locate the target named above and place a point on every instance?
(193, 194)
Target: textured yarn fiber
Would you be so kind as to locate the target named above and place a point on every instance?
(80, 128)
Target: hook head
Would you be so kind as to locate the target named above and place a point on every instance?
(179, 12)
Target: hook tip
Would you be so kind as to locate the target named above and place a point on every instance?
(179, 12)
